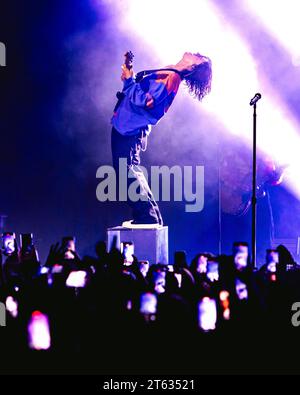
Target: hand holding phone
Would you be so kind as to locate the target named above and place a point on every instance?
(240, 255)
(241, 290)
(39, 331)
(127, 249)
(144, 267)
(69, 247)
(8, 243)
(178, 277)
(77, 279)
(213, 271)
(28, 250)
(207, 314)
(148, 303)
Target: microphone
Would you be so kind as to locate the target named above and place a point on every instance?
(255, 99)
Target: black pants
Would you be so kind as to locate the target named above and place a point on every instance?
(145, 210)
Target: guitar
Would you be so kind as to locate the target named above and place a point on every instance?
(128, 63)
(128, 59)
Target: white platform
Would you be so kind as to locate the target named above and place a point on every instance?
(149, 244)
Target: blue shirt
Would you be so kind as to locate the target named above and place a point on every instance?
(146, 102)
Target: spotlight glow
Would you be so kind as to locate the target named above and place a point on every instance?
(281, 18)
(202, 30)
(171, 27)
(235, 76)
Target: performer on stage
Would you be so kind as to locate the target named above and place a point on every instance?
(143, 102)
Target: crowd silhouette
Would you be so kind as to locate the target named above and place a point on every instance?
(101, 314)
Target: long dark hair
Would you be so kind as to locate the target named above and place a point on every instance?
(198, 80)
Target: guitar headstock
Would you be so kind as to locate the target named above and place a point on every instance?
(128, 59)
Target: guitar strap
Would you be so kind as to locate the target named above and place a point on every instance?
(139, 76)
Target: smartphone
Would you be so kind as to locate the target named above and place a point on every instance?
(207, 314)
(212, 271)
(69, 242)
(127, 249)
(240, 260)
(179, 279)
(27, 247)
(240, 255)
(69, 245)
(159, 279)
(144, 267)
(38, 331)
(272, 256)
(11, 305)
(26, 240)
(272, 260)
(8, 243)
(241, 290)
(77, 279)
(148, 303)
(57, 269)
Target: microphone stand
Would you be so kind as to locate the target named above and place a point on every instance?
(254, 189)
(219, 201)
(254, 199)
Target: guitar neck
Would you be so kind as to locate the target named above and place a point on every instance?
(128, 59)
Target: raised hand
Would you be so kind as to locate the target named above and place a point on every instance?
(56, 253)
(126, 73)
